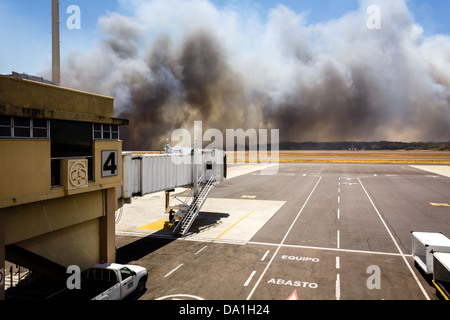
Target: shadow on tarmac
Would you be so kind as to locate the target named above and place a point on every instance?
(141, 247)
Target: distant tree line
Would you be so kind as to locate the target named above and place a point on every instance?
(373, 146)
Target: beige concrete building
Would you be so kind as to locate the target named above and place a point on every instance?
(60, 166)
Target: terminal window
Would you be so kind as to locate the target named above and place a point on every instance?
(70, 139)
(106, 132)
(19, 127)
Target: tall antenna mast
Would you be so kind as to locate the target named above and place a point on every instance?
(56, 58)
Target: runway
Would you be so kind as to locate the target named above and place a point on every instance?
(310, 232)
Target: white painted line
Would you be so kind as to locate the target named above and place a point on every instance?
(338, 239)
(131, 234)
(144, 235)
(248, 214)
(322, 248)
(173, 270)
(249, 278)
(338, 287)
(442, 171)
(339, 213)
(180, 297)
(212, 240)
(282, 241)
(339, 199)
(201, 250)
(338, 263)
(339, 190)
(265, 255)
(396, 244)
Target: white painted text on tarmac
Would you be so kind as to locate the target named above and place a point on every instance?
(295, 283)
(305, 259)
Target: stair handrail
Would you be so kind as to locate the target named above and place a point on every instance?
(200, 198)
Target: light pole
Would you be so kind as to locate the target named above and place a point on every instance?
(56, 58)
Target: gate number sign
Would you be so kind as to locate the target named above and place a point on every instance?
(110, 163)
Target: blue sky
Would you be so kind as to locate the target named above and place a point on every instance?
(25, 25)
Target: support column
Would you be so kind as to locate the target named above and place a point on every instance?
(108, 227)
(2, 254)
(168, 197)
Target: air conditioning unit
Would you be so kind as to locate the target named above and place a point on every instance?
(75, 174)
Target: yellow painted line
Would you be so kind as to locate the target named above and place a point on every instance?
(440, 204)
(248, 197)
(239, 221)
(370, 161)
(158, 225)
(442, 292)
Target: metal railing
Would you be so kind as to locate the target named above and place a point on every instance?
(16, 276)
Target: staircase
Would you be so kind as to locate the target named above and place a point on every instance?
(194, 208)
(14, 278)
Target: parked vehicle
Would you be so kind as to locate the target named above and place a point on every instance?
(107, 281)
(424, 244)
(441, 274)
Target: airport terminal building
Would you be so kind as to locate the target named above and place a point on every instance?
(60, 166)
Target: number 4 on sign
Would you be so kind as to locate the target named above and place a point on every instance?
(293, 296)
(109, 163)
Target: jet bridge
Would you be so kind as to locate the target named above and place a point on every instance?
(197, 169)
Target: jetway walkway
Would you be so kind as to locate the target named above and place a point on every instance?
(197, 169)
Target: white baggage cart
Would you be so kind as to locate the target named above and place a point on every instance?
(441, 273)
(424, 244)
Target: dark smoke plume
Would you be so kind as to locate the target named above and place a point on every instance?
(180, 61)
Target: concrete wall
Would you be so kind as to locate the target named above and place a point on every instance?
(75, 245)
(24, 171)
(63, 230)
(2, 255)
(25, 165)
(29, 94)
(105, 145)
(69, 226)
(39, 218)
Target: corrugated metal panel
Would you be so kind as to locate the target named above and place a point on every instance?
(135, 176)
(145, 174)
(162, 172)
(131, 176)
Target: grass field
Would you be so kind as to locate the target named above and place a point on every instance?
(384, 157)
(388, 157)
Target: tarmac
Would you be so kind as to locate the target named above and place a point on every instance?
(308, 232)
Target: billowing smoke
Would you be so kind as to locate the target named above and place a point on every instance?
(178, 61)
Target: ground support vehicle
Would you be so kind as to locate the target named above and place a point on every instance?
(441, 274)
(107, 281)
(424, 244)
